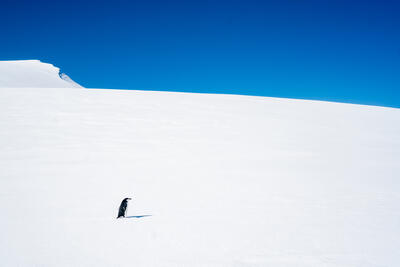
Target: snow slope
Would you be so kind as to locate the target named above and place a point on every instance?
(32, 73)
(228, 180)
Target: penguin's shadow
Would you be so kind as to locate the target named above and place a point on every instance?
(138, 216)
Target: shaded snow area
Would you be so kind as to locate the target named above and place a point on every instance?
(32, 73)
(228, 180)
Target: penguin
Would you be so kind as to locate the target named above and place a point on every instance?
(123, 207)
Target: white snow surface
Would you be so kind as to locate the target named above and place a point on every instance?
(32, 73)
(228, 180)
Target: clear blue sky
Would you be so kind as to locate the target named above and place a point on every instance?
(347, 51)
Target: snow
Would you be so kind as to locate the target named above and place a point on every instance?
(32, 73)
(228, 180)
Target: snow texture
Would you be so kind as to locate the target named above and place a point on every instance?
(215, 180)
(32, 73)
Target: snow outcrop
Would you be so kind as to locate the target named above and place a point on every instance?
(32, 73)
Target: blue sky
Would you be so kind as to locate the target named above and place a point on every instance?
(346, 51)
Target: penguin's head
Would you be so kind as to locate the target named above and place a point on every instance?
(127, 199)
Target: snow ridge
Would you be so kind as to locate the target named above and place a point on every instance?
(33, 74)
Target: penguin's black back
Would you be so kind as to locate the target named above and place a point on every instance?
(122, 208)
